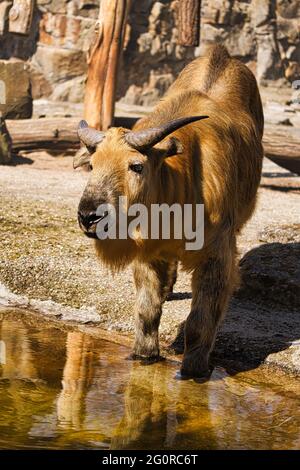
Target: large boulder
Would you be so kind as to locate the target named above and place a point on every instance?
(58, 64)
(270, 273)
(71, 90)
(15, 90)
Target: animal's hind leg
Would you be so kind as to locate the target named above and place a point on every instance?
(153, 282)
(212, 285)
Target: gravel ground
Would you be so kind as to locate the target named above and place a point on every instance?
(46, 264)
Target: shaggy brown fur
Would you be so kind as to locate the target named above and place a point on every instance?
(220, 166)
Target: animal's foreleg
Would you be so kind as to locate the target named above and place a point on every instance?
(152, 282)
(212, 285)
(173, 267)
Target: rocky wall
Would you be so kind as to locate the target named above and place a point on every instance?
(265, 34)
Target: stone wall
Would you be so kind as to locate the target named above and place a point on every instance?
(265, 34)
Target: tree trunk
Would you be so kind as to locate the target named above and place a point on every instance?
(103, 61)
(189, 22)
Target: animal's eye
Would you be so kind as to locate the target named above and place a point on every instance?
(90, 166)
(136, 167)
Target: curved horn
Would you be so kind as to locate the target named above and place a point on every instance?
(147, 138)
(89, 136)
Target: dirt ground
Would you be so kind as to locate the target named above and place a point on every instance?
(47, 264)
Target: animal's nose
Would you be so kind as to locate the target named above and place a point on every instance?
(88, 219)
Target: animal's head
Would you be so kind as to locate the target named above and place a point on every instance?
(124, 163)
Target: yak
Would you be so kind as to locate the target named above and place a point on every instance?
(202, 144)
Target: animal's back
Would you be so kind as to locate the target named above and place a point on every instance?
(224, 79)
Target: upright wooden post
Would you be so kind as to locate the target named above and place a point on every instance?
(189, 22)
(103, 61)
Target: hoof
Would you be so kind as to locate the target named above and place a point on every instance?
(195, 367)
(151, 360)
(197, 375)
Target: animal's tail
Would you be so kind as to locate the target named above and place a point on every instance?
(218, 58)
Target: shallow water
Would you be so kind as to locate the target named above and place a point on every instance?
(66, 389)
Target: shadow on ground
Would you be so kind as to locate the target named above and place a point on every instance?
(283, 189)
(20, 160)
(263, 316)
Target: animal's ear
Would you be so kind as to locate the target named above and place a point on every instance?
(82, 157)
(171, 147)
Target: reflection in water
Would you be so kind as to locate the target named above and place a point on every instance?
(69, 390)
(77, 379)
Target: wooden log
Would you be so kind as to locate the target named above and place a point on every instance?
(189, 22)
(282, 141)
(103, 61)
(282, 145)
(289, 163)
(50, 133)
(30, 134)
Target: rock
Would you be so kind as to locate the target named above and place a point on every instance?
(133, 95)
(263, 19)
(290, 53)
(268, 58)
(55, 6)
(15, 99)
(263, 12)
(224, 12)
(40, 87)
(151, 49)
(17, 45)
(271, 273)
(71, 90)
(89, 8)
(58, 64)
(288, 8)
(148, 94)
(68, 31)
(264, 33)
(292, 72)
